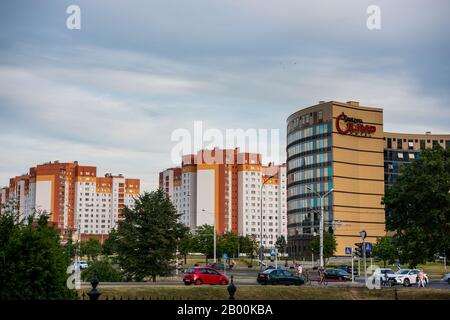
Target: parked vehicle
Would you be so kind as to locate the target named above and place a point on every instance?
(446, 278)
(219, 266)
(273, 268)
(278, 276)
(204, 275)
(407, 277)
(348, 268)
(385, 276)
(83, 264)
(337, 274)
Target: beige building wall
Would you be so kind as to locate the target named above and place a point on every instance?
(358, 177)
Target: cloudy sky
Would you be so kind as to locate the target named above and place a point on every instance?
(111, 93)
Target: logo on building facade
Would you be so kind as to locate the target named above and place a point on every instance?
(353, 126)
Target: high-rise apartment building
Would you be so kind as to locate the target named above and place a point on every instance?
(343, 146)
(224, 187)
(73, 195)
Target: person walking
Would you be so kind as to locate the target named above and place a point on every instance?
(421, 283)
(322, 276)
(299, 270)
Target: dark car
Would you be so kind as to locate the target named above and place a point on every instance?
(203, 275)
(338, 274)
(278, 276)
(348, 269)
(219, 266)
(273, 268)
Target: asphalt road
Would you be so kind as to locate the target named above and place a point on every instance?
(434, 284)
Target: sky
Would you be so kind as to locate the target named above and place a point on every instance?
(112, 93)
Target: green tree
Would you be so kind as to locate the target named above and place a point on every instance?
(33, 263)
(228, 243)
(148, 236)
(186, 244)
(418, 207)
(281, 245)
(249, 246)
(109, 247)
(385, 250)
(203, 240)
(329, 245)
(70, 247)
(104, 270)
(91, 248)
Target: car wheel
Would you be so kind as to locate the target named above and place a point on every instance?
(223, 282)
(448, 281)
(406, 283)
(198, 282)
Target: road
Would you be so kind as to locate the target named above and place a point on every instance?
(434, 284)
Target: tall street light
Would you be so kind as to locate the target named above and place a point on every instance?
(261, 250)
(321, 196)
(214, 224)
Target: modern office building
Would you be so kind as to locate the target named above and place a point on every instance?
(224, 187)
(342, 146)
(73, 195)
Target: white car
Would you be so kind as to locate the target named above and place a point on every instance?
(407, 277)
(380, 275)
(446, 278)
(83, 264)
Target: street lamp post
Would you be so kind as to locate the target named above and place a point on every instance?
(321, 196)
(261, 250)
(214, 225)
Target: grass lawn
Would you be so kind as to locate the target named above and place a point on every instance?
(269, 293)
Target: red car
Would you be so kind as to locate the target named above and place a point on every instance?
(203, 275)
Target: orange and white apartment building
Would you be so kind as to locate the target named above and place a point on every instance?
(73, 195)
(223, 186)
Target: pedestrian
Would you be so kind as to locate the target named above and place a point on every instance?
(321, 275)
(421, 283)
(299, 270)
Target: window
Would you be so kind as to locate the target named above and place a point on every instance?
(399, 144)
(410, 144)
(422, 144)
(389, 143)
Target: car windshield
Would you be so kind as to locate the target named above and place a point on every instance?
(190, 270)
(403, 272)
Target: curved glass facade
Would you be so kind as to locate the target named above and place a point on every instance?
(309, 163)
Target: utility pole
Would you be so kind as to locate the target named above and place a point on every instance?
(214, 225)
(363, 235)
(322, 197)
(353, 270)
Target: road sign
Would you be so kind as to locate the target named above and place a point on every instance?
(363, 234)
(348, 250)
(272, 252)
(399, 266)
(368, 246)
(225, 256)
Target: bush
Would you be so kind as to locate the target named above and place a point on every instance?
(104, 270)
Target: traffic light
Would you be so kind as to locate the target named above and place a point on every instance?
(358, 249)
